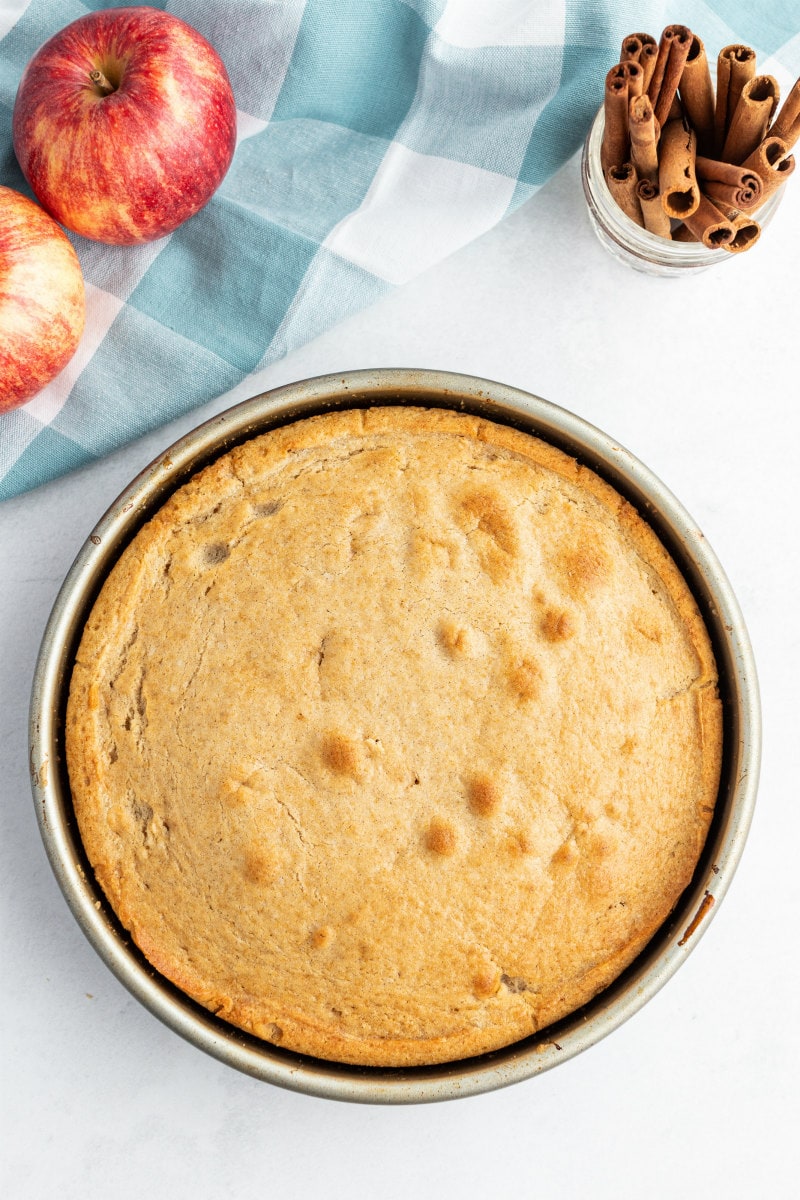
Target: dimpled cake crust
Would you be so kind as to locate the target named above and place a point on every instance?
(394, 736)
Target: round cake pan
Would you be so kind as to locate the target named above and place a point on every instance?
(738, 689)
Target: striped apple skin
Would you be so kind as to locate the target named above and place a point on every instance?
(130, 164)
(42, 305)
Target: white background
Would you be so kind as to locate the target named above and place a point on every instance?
(698, 1094)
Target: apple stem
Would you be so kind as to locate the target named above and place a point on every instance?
(101, 83)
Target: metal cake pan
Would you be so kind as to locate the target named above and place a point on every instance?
(738, 689)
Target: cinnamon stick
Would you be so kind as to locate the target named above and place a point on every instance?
(772, 163)
(676, 42)
(644, 39)
(735, 197)
(644, 133)
(642, 49)
(735, 65)
(786, 125)
(630, 71)
(728, 183)
(647, 60)
(710, 225)
(697, 95)
(749, 122)
(635, 77)
(677, 182)
(622, 183)
(614, 147)
(631, 48)
(747, 232)
(653, 215)
(659, 69)
(721, 172)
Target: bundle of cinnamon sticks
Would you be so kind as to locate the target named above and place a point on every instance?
(686, 162)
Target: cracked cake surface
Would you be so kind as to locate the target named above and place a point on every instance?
(394, 736)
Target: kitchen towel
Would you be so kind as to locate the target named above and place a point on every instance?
(375, 137)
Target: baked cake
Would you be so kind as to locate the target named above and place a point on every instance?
(394, 736)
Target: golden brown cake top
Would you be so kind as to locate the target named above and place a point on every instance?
(394, 736)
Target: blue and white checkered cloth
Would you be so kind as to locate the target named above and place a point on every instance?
(375, 138)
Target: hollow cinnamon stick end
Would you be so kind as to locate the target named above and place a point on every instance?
(747, 234)
(622, 183)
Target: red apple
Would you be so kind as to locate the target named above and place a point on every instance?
(42, 305)
(124, 124)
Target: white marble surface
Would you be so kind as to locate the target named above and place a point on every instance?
(697, 1095)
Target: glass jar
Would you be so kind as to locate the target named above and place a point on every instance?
(637, 247)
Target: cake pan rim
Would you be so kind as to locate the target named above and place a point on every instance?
(145, 494)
